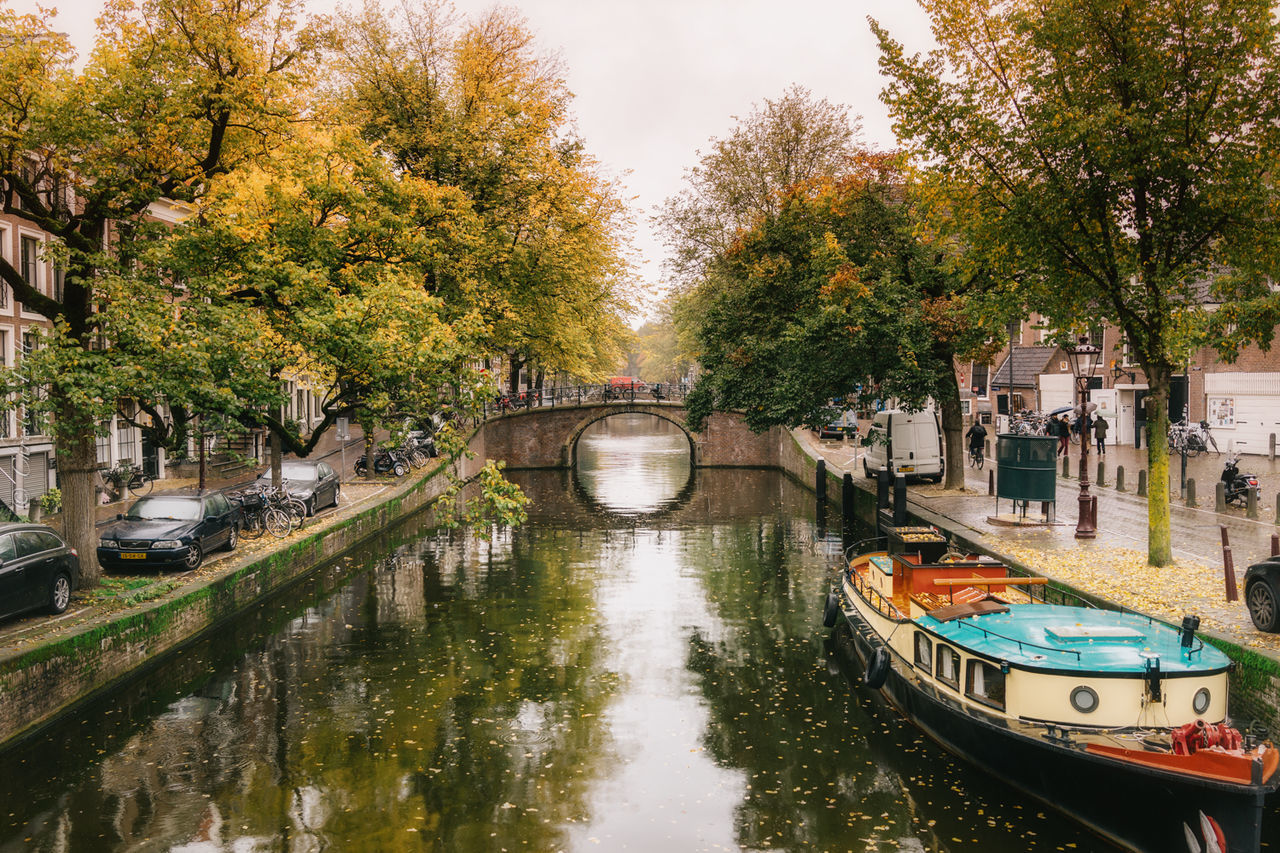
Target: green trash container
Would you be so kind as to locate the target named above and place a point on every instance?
(1026, 468)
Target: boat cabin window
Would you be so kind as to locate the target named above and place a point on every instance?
(948, 671)
(985, 683)
(924, 651)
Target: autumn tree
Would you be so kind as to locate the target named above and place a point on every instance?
(836, 291)
(783, 142)
(176, 93)
(475, 106)
(1113, 160)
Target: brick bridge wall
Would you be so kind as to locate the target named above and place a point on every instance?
(547, 437)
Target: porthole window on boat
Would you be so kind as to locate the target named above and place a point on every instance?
(985, 682)
(924, 651)
(1084, 699)
(1200, 702)
(948, 671)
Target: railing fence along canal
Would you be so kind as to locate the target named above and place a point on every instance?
(580, 395)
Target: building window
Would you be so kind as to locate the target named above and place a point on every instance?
(979, 386)
(965, 408)
(30, 251)
(59, 281)
(30, 340)
(924, 651)
(32, 422)
(948, 671)
(984, 682)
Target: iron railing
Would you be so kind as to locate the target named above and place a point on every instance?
(583, 395)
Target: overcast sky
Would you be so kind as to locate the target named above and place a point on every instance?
(655, 79)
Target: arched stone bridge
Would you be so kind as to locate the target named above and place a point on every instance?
(547, 437)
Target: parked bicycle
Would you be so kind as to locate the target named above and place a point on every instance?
(259, 515)
(126, 479)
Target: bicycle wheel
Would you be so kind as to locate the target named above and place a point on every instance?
(141, 484)
(253, 526)
(980, 459)
(297, 511)
(418, 459)
(277, 522)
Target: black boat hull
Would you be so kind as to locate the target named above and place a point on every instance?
(1132, 807)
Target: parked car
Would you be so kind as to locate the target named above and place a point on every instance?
(171, 528)
(909, 443)
(314, 483)
(37, 569)
(1262, 594)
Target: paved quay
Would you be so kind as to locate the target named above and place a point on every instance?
(1114, 565)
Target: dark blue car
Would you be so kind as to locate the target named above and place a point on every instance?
(173, 529)
(37, 569)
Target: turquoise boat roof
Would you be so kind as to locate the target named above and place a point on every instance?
(1049, 636)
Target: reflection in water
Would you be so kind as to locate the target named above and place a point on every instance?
(580, 684)
(634, 464)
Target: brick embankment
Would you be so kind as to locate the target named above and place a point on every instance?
(48, 666)
(1111, 569)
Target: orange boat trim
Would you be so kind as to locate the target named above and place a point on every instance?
(1207, 763)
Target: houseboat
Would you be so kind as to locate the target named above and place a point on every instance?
(1113, 717)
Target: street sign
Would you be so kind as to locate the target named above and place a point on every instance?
(344, 429)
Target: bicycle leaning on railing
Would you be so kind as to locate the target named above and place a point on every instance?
(124, 480)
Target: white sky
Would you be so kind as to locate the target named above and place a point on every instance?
(655, 79)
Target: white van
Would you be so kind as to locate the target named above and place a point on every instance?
(907, 442)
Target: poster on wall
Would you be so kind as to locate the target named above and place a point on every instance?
(1222, 412)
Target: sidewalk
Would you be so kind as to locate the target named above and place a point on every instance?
(1114, 565)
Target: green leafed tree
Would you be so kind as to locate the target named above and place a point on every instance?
(1112, 161)
(835, 292)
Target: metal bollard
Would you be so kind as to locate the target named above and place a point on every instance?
(900, 500)
(883, 479)
(1066, 467)
(1275, 544)
(820, 485)
(1191, 492)
(1101, 479)
(1142, 483)
(1272, 447)
(1278, 508)
(846, 499)
(991, 482)
(1119, 478)
(1251, 503)
(1220, 497)
(1229, 574)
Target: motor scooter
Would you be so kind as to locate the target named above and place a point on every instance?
(383, 461)
(1236, 484)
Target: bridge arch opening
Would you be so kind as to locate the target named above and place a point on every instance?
(635, 465)
(570, 451)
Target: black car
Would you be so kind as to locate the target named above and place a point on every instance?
(174, 528)
(37, 569)
(1262, 594)
(313, 483)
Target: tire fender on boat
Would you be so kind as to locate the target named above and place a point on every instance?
(877, 669)
(832, 611)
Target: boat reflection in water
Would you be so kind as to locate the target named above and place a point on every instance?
(1115, 718)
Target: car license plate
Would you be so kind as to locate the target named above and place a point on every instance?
(124, 555)
(906, 469)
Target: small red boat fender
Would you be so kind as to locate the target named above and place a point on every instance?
(1188, 739)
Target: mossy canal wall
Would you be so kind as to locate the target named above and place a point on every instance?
(42, 680)
(1255, 681)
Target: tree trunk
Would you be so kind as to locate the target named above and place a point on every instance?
(513, 379)
(1159, 537)
(953, 440)
(77, 469)
(277, 468)
(368, 430)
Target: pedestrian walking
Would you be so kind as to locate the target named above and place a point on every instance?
(1064, 434)
(1100, 430)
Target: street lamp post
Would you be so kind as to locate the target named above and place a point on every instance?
(1084, 358)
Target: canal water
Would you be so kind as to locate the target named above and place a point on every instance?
(641, 667)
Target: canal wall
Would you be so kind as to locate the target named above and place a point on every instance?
(41, 681)
(1254, 682)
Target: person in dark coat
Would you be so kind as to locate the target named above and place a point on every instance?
(1100, 432)
(1064, 434)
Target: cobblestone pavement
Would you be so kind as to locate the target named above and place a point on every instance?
(1113, 565)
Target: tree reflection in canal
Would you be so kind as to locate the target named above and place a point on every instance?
(641, 667)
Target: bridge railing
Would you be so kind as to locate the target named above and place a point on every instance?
(578, 395)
